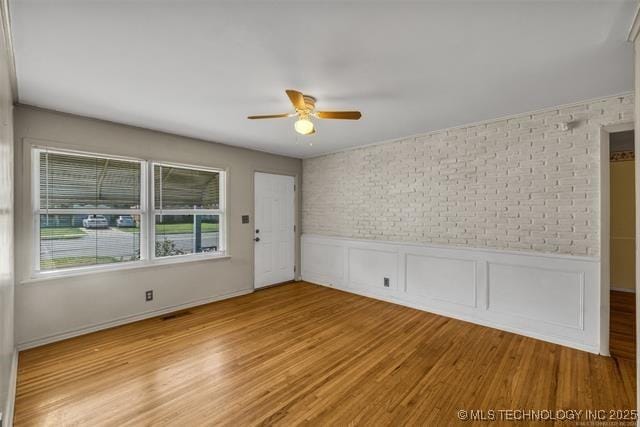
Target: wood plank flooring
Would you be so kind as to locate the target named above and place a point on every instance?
(305, 354)
(622, 332)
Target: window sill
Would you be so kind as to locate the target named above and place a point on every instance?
(133, 265)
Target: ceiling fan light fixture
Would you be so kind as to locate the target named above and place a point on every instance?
(304, 126)
(305, 108)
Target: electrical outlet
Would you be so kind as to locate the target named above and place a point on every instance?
(148, 295)
(386, 282)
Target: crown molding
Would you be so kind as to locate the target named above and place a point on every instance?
(635, 26)
(472, 124)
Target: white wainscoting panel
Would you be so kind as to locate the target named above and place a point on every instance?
(447, 279)
(549, 296)
(555, 298)
(369, 267)
(325, 262)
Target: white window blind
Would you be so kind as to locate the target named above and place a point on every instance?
(88, 210)
(98, 211)
(188, 210)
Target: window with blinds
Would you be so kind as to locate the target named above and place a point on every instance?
(188, 213)
(93, 210)
(88, 210)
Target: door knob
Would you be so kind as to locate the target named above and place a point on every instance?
(257, 239)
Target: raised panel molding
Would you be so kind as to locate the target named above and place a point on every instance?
(324, 262)
(369, 267)
(551, 296)
(448, 279)
(555, 298)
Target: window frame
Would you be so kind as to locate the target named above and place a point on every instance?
(146, 212)
(222, 231)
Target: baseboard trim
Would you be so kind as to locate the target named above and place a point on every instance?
(7, 415)
(462, 317)
(127, 319)
(632, 291)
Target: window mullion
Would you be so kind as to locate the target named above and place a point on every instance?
(144, 211)
(151, 211)
(46, 173)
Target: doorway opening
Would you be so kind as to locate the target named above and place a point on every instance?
(622, 248)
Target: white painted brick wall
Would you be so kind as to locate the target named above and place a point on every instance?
(516, 184)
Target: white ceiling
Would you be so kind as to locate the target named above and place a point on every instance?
(198, 68)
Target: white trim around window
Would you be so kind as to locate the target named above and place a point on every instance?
(146, 213)
(220, 212)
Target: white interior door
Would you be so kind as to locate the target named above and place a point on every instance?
(274, 233)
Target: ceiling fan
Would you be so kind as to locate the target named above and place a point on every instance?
(305, 109)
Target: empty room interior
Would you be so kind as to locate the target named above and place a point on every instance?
(341, 213)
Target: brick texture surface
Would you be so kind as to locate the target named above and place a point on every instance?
(520, 184)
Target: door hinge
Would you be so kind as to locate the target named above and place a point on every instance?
(294, 228)
(294, 187)
(294, 268)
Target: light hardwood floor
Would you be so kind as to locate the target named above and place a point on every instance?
(305, 354)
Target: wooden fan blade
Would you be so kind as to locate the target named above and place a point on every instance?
(297, 99)
(343, 115)
(269, 116)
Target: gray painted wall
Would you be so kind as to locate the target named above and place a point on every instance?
(6, 229)
(56, 308)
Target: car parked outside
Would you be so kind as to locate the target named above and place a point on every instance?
(95, 221)
(125, 221)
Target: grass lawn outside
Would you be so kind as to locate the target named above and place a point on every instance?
(185, 228)
(61, 233)
(77, 261)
